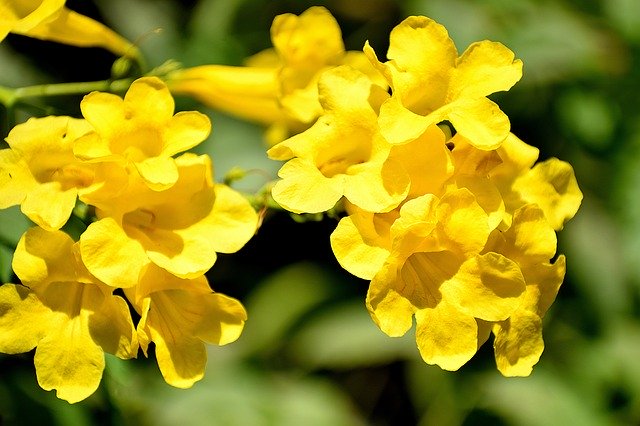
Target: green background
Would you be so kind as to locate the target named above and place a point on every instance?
(310, 354)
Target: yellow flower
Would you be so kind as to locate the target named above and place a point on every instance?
(179, 229)
(531, 243)
(431, 84)
(66, 314)
(278, 87)
(179, 316)
(426, 261)
(437, 273)
(427, 160)
(504, 210)
(50, 20)
(249, 92)
(39, 171)
(342, 154)
(362, 242)
(141, 130)
(551, 184)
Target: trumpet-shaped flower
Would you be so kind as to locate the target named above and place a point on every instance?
(71, 318)
(431, 84)
(410, 257)
(278, 86)
(342, 154)
(141, 130)
(531, 243)
(179, 316)
(551, 184)
(436, 272)
(39, 171)
(51, 20)
(179, 229)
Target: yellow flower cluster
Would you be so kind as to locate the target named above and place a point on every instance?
(447, 214)
(159, 222)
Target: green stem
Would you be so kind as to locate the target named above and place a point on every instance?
(10, 97)
(263, 199)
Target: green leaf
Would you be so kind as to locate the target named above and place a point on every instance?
(541, 399)
(278, 304)
(595, 260)
(625, 16)
(235, 394)
(344, 337)
(12, 225)
(588, 117)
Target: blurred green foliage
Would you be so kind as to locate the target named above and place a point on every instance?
(310, 355)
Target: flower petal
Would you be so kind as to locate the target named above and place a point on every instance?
(248, 92)
(399, 125)
(427, 160)
(15, 179)
(484, 68)
(224, 320)
(464, 223)
(186, 130)
(178, 319)
(111, 255)
(24, 320)
(530, 239)
(158, 172)
(445, 336)
(389, 308)
(43, 257)
(304, 189)
(357, 245)
(543, 283)
(490, 287)
(21, 19)
(374, 189)
(232, 221)
(552, 185)
(313, 38)
(37, 205)
(111, 328)
(68, 360)
(105, 111)
(479, 120)
(518, 344)
(487, 196)
(149, 98)
(185, 254)
(72, 28)
(421, 55)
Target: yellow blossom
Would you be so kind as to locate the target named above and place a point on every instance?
(362, 242)
(342, 154)
(66, 314)
(278, 86)
(179, 316)
(531, 243)
(39, 171)
(436, 271)
(431, 84)
(551, 184)
(51, 20)
(141, 130)
(179, 229)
